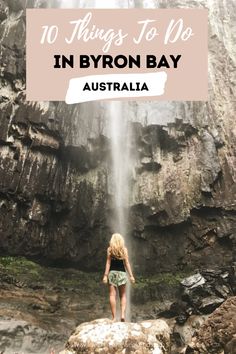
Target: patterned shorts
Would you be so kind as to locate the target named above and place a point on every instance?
(117, 277)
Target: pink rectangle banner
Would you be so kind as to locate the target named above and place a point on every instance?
(79, 55)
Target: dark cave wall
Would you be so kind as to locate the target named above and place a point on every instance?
(55, 164)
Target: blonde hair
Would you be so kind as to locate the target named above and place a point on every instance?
(117, 246)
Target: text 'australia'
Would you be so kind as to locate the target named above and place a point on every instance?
(115, 86)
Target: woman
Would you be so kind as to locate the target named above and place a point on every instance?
(115, 273)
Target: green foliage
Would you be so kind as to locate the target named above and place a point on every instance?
(21, 267)
(18, 264)
(77, 279)
(32, 273)
(171, 279)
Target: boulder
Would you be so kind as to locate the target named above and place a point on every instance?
(217, 334)
(182, 334)
(193, 281)
(202, 293)
(105, 336)
(210, 303)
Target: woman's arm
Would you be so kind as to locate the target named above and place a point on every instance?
(107, 268)
(128, 267)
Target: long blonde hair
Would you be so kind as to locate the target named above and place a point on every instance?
(117, 246)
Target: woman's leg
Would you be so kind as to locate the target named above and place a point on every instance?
(112, 296)
(122, 294)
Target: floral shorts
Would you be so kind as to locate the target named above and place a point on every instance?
(117, 277)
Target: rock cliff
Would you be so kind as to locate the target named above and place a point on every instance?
(55, 164)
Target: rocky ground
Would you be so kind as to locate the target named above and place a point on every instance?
(42, 305)
(55, 164)
(218, 333)
(215, 335)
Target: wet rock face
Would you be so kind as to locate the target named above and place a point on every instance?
(106, 336)
(55, 165)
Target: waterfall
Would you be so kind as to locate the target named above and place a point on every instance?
(121, 174)
(120, 143)
(120, 158)
(101, 4)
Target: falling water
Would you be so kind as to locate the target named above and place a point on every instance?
(102, 4)
(121, 173)
(120, 162)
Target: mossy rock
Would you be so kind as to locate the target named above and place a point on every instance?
(166, 278)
